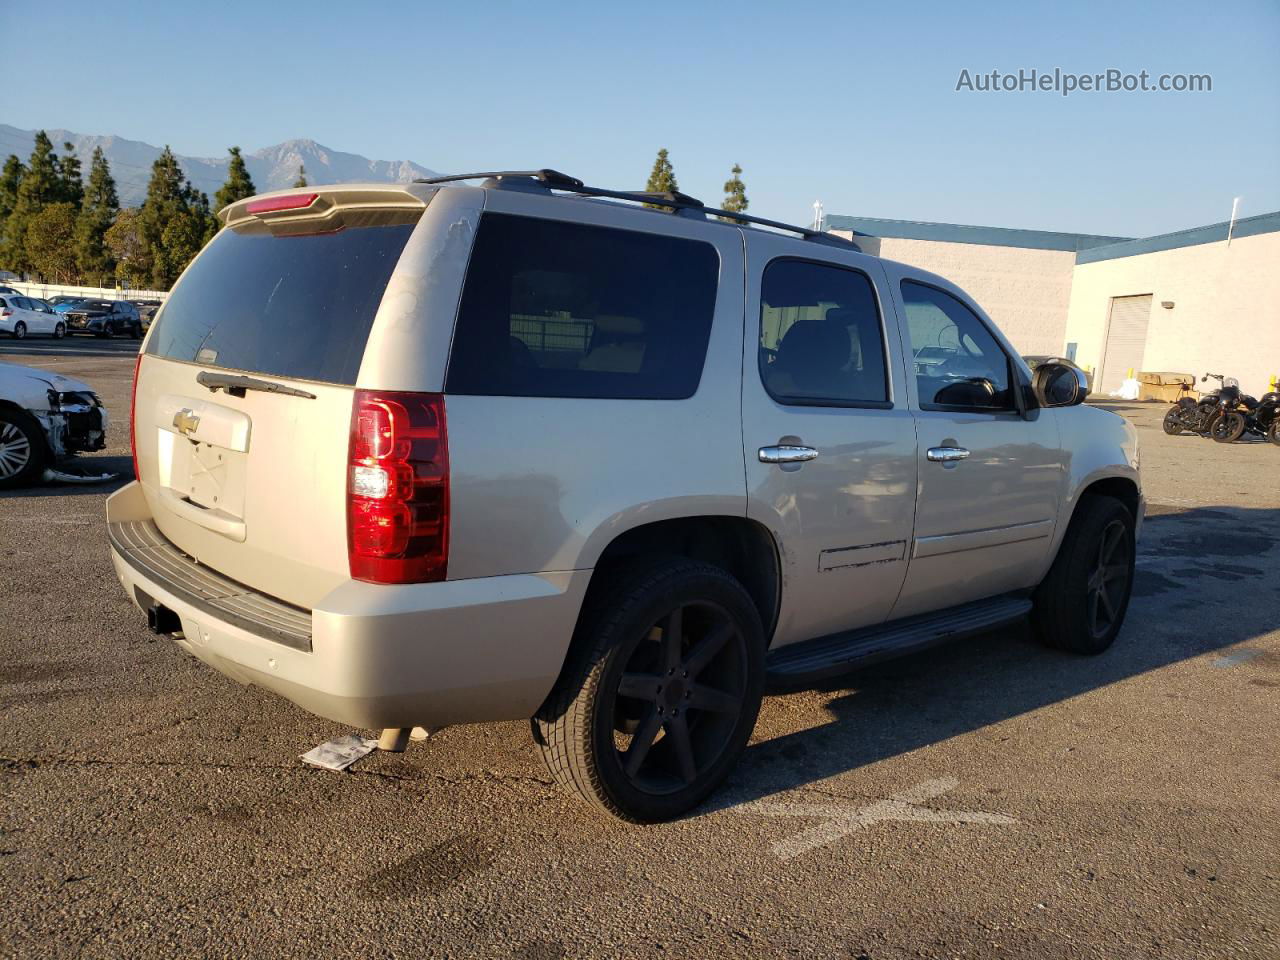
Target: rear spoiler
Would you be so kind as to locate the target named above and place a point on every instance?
(322, 208)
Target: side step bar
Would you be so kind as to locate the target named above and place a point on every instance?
(826, 656)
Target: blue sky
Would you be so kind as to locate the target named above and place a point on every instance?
(851, 103)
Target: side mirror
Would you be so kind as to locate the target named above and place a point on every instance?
(1056, 384)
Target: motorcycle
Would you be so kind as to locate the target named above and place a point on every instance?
(1189, 415)
(1263, 419)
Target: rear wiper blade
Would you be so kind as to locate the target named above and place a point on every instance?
(236, 385)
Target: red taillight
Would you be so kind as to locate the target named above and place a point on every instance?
(133, 417)
(398, 488)
(291, 201)
(6, 312)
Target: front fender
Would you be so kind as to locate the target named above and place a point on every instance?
(1097, 445)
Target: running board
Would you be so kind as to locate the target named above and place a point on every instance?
(839, 652)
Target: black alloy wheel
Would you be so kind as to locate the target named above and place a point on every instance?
(1109, 581)
(660, 692)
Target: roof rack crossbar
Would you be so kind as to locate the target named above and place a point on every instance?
(554, 180)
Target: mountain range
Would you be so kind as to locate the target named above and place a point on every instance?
(271, 167)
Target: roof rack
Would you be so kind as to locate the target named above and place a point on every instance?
(549, 180)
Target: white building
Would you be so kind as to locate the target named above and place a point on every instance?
(1186, 302)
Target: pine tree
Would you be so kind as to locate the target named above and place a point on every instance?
(239, 184)
(662, 179)
(128, 249)
(735, 193)
(10, 178)
(40, 186)
(97, 213)
(168, 199)
(50, 242)
(302, 176)
(69, 174)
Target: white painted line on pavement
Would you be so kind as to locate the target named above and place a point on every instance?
(1240, 656)
(841, 820)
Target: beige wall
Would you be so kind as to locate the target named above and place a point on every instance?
(1226, 314)
(1026, 292)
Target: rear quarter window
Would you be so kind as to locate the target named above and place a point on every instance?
(293, 305)
(555, 309)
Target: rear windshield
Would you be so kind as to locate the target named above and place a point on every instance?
(297, 306)
(554, 309)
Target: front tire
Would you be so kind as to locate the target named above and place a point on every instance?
(59, 331)
(19, 330)
(1229, 427)
(1273, 431)
(22, 450)
(1172, 423)
(1080, 605)
(660, 696)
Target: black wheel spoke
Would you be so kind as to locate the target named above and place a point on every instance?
(1104, 599)
(706, 649)
(706, 698)
(678, 730)
(640, 686)
(642, 741)
(673, 639)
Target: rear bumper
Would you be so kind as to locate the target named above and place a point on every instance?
(461, 651)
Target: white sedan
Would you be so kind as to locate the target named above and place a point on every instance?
(20, 316)
(44, 419)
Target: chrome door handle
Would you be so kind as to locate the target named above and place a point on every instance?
(786, 453)
(947, 454)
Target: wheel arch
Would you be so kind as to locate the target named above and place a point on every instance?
(742, 547)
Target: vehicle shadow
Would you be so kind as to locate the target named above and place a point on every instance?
(122, 467)
(899, 706)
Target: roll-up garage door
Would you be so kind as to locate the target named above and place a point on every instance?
(1126, 340)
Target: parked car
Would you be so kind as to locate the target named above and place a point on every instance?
(1036, 361)
(412, 456)
(146, 311)
(29, 316)
(44, 418)
(4, 290)
(104, 318)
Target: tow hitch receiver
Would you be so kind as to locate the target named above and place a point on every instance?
(161, 620)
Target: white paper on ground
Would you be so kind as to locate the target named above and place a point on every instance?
(1129, 390)
(340, 753)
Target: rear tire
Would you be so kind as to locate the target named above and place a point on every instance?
(660, 692)
(1273, 431)
(1229, 427)
(1172, 423)
(1081, 603)
(22, 449)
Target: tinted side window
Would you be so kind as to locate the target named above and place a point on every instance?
(958, 363)
(553, 309)
(821, 339)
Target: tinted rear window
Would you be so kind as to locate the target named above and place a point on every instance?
(297, 306)
(554, 309)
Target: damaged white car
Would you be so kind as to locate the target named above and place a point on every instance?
(45, 418)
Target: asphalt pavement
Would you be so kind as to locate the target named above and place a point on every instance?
(987, 799)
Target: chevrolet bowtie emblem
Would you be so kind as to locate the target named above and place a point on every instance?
(185, 421)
